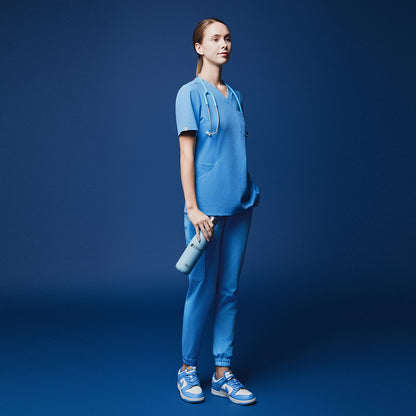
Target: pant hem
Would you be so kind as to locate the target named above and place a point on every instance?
(189, 361)
(222, 363)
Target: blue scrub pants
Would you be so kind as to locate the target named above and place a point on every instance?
(213, 282)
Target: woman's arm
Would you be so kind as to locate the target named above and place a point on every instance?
(187, 142)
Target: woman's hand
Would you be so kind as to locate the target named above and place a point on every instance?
(201, 222)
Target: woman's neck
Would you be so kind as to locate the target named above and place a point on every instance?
(211, 73)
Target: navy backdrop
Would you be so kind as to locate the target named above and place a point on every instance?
(91, 198)
(90, 157)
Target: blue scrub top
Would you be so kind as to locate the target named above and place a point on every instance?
(223, 185)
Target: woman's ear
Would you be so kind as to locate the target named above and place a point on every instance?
(199, 49)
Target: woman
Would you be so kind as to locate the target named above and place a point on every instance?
(215, 181)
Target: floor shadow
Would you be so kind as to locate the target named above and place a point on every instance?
(282, 325)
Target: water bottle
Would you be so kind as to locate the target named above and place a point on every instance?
(193, 252)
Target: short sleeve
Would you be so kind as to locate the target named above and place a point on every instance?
(187, 109)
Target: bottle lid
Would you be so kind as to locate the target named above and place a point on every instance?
(213, 220)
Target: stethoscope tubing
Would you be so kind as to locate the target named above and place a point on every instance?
(216, 107)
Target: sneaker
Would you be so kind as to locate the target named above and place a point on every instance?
(188, 385)
(229, 386)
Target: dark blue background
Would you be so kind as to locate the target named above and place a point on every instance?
(91, 204)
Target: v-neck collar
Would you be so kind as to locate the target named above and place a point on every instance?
(213, 86)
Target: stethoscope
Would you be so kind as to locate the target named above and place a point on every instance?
(216, 107)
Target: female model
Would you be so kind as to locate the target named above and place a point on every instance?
(215, 181)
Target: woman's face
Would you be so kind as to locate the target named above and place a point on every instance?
(216, 44)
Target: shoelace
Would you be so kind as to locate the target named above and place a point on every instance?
(235, 383)
(192, 378)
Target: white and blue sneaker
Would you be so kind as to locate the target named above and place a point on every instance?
(229, 386)
(188, 385)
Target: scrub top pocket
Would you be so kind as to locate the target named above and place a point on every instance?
(202, 169)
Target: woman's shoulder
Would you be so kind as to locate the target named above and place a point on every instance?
(235, 89)
(190, 90)
(190, 86)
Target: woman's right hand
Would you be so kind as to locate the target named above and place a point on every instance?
(201, 222)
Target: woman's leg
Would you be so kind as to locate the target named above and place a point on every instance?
(233, 246)
(201, 292)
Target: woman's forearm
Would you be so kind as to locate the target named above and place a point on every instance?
(188, 181)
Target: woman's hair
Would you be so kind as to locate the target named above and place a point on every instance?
(199, 35)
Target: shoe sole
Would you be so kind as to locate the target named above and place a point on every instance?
(188, 399)
(224, 394)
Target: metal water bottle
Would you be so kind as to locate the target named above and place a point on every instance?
(193, 251)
